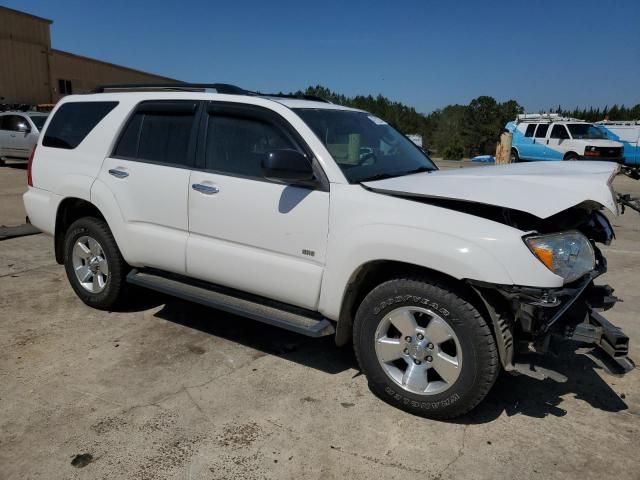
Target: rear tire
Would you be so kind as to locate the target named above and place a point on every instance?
(570, 157)
(94, 265)
(438, 370)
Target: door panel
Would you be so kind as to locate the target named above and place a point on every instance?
(153, 202)
(265, 238)
(539, 142)
(148, 175)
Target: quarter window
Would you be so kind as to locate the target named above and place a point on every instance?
(530, 129)
(559, 132)
(237, 144)
(159, 132)
(541, 132)
(72, 122)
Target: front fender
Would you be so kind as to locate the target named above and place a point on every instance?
(457, 244)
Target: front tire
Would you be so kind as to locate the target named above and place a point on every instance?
(424, 348)
(515, 158)
(570, 157)
(94, 265)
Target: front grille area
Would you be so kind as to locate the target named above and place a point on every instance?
(609, 152)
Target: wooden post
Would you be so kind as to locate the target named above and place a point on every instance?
(503, 148)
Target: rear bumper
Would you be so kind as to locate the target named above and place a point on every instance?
(41, 207)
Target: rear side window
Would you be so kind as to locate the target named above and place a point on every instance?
(541, 132)
(73, 122)
(160, 131)
(530, 129)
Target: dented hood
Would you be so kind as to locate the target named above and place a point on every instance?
(539, 188)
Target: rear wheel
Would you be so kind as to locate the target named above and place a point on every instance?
(424, 348)
(571, 156)
(93, 263)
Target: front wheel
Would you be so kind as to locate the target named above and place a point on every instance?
(515, 158)
(424, 349)
(94, 265)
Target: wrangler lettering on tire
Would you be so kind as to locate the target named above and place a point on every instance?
(424, 348)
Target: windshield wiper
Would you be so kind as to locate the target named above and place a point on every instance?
(419, 170)
(380, 176)
(383, 176)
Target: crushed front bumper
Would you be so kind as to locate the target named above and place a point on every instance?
(612, 341)
(530, 320)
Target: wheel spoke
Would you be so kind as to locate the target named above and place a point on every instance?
(404, 321)
(437, 331)
(415, 377)
(96, 283)
(94, 247)
(104, 265)
(446, 366)
(81, 250)
(83, 273)
(102, 279)
(389, 349)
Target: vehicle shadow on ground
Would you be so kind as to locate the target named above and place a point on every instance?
(513, 395)
(17, 164)
(522, 395)
(318, 353)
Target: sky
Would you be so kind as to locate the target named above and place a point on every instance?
(427, 54)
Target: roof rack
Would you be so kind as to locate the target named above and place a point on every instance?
(313, 98)
(178, 87)
(544, 117)
(198, 87)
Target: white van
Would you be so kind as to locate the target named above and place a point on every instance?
(551, 137)
(628, 133)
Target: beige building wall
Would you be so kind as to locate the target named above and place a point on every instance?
(87, 73)
(24, 48)
(30, 70)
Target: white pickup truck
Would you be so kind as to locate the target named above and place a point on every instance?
(325, 220)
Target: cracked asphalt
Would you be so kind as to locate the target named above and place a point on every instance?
(170, 389)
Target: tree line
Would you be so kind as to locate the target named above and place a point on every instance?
(458, 131)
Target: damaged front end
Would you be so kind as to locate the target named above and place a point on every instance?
(529, 321)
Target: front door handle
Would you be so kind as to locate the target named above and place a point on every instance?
(206, 189)
(118, 173)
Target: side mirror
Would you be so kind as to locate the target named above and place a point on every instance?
(23, 128)
(287, 165)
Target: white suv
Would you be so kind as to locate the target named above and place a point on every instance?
(19, 133)
(325, 220)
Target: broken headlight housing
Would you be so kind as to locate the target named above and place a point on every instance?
(567, 254)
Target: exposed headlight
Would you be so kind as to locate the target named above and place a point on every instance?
(567, 254)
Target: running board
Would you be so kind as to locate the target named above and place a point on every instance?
(245, 305)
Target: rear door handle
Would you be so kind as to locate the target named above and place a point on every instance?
(118, 173)
(206, 189)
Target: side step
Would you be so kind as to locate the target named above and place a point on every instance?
(257, 308)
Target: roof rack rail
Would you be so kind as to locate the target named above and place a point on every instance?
(198, 87)
(313, 98)
(544, 117)
(187, 87)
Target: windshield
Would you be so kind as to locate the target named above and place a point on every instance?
(365, 147)
(38, 120)
(585, 131)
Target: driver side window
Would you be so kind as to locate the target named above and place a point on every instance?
(237, 145)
